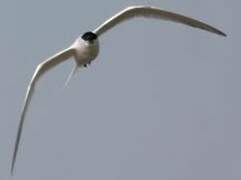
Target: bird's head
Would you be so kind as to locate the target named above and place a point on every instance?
(89, 36)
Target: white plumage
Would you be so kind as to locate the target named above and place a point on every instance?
(86, 48)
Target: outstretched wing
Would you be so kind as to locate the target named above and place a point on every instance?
(153, 12)
(40, 70)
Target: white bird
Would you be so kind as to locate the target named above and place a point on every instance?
(86, 48)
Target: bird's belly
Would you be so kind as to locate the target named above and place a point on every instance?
(86, 53)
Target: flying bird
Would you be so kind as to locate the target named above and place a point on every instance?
(86, 48)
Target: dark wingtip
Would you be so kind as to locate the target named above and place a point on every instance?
(11, 173)
(222, 34)
(12, 167)
(217, 31)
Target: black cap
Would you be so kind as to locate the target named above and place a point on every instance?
(89, 36)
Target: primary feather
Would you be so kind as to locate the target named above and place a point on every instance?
(153, 12)
(40, 70)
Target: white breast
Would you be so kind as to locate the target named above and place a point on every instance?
(86, 51)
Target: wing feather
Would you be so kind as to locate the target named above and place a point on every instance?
(153, 12)
(40, 70)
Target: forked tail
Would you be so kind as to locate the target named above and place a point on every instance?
(71, 74)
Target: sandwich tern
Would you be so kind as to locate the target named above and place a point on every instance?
(86, 48)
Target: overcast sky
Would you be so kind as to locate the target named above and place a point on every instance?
(161, 101)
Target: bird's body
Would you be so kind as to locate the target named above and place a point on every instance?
(85, 51)
(86, 48)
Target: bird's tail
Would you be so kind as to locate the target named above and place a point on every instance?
(71, 74)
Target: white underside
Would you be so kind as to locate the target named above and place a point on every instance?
(85, 51)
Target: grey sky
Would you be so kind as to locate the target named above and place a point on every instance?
(164, 106)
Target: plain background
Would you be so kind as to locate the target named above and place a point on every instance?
(161, 101)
